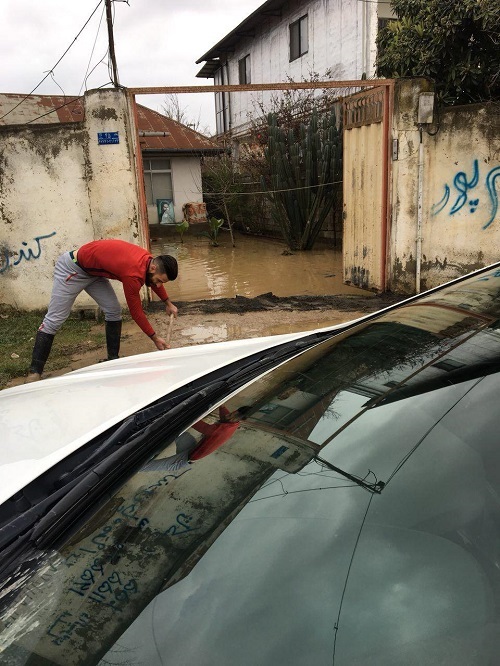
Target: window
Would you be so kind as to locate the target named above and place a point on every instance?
(299, 40)
(244, 70)
(221, 102)
(383, 23)
(448, 364)
(157, 179)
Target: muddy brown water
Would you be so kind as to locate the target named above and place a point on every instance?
(254, 266)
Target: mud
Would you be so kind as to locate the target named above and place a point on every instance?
(218, 320)
(268, 301)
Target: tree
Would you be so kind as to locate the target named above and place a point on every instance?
(172, 108)
(221, 189)
(290, 109)
(305, 176)
(454, 42)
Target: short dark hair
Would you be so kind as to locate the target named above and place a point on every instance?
(169, 264)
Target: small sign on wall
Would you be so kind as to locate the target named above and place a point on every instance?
(107, 137)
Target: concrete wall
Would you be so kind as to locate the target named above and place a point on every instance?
(341, 38)
(59, 189)
(459, 182)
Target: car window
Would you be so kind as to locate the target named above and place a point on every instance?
(332, 508)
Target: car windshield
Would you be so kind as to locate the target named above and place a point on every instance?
(343, 508)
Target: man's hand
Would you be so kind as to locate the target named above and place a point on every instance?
(160, 342)
(170, 308)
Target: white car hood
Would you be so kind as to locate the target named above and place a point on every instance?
(43, 422)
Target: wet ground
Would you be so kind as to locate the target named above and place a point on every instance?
(255, 289)
(254, 266)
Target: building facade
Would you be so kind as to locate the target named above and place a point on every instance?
(291, 40)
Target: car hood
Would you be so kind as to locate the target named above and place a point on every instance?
(43, 422)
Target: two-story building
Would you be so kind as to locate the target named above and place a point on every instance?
(292, 39)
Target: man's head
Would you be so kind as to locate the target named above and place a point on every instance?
(162, 269)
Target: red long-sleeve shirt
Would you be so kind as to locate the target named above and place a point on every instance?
(119, 260)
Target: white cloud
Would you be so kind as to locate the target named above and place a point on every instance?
(157, 43)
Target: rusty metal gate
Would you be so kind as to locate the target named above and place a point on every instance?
(366, 186)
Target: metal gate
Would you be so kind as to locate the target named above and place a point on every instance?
(366, 186)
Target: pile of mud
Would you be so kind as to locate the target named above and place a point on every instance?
(268, 301)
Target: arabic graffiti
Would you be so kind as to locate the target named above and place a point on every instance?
(65, 625)
(27, 255)
(110, 591)
(463, 186)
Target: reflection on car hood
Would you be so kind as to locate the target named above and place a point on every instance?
(43, 422)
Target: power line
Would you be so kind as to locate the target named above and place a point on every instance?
(87, 73)
(290, 189)
(56, 108)
(52, 69)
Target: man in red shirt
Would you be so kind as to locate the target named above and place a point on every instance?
(89, 269)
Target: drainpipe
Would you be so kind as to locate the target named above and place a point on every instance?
(386, 181)
(419, 210)
(425, 116)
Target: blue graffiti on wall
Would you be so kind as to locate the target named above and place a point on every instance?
(463, 187)
(5, 261)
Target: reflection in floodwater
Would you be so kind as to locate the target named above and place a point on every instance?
(255, 266)
(219, 333)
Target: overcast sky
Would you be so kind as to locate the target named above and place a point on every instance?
(157, 43)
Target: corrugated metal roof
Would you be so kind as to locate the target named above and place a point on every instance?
(181, 137)
(19, 109)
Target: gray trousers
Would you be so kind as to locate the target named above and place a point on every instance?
(69, 281)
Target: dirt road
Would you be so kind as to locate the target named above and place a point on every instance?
(233, 319)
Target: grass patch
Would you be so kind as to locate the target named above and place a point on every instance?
(17, 333)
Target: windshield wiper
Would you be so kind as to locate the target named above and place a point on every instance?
(375, 487)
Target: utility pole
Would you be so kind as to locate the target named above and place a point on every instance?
(111, 43)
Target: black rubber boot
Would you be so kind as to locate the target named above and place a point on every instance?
(41, 351)
(113, 335)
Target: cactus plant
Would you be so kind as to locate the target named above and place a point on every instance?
(305, 176)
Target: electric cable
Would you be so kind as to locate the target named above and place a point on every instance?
(87, 73)
(56, 108)
(290, 189)
(50, 71)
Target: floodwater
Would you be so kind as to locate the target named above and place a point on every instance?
(255, 266)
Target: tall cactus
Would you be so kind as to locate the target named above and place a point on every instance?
(305, 176)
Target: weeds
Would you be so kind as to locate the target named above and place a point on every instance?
(17, 333)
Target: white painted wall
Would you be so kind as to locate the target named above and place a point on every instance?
(186, 184)
(341, 38)
(186, 176)
(60, 189)
(460, 185)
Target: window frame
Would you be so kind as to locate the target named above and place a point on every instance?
(299, 32)
(222, 123)
(244, 70)
(148, 171)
